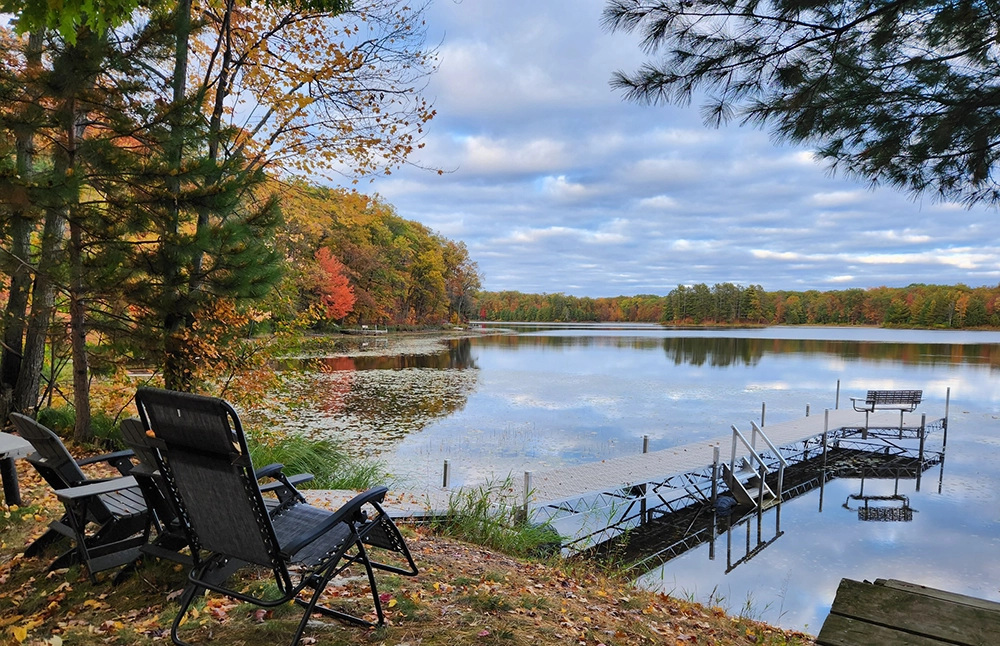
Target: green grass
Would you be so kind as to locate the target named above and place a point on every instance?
(488, 515)
(332, 467)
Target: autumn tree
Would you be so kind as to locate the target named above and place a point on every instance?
(219, 95)
(902, 92)
(334, 288)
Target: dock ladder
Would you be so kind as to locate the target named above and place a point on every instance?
(748, 484)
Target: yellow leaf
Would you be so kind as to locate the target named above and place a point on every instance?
(392, 603)
(20, 633)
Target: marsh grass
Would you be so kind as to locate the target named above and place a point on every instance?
(488, 515)
(331, 467)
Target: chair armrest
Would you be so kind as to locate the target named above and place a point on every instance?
(268, 471)
(119, 460)
(95, 489)
(290, 481)
(349, 509)
(284, 488)
(868, 406)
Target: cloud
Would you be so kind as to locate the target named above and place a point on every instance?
(557, 185)
(486, 155)
(561, 189)
(658, 202)
(837, 198)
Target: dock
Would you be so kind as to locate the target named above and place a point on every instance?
(893, 613)
(558, 484)
(589, 504)
(593, 503)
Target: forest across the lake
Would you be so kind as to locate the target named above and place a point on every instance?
(916, 305)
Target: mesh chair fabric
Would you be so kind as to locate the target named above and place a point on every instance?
(224, 517)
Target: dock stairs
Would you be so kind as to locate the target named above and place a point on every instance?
(746, 477)
(747, 493)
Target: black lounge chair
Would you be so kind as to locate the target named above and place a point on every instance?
(171, 537)
(203, 456)
(116, 506)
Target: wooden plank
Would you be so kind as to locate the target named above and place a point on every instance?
(917, 614)
(844, 631)
(943, 595)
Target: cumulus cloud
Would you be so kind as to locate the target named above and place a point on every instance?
(557, 185)
(487, 155)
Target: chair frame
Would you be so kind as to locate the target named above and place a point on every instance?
(115, 505)
(171, 537)
(195, 432)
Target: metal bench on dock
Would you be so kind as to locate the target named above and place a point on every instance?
(894, 613)
(905, 401)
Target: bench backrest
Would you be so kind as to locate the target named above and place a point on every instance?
(888, 397)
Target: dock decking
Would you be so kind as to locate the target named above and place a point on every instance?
(559, 484)
(894, 613)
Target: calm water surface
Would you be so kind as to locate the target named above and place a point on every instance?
(555, 395)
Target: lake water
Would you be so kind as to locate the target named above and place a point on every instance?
(556, 395)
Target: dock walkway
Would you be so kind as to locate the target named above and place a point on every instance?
(552, 488)
(567, 482)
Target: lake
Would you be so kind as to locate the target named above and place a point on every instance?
(555, 395)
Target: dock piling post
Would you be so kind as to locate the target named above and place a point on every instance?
(715, 475)
(763, 409)
(947, 406)
(645, 444)
(446, 480)
(923, 434)
(807, 410)
(761, 473)
(826, 431)
(836, 403)
(527, 492)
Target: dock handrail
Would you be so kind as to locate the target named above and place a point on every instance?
(781, 460)
(753, 453)
(762, 468)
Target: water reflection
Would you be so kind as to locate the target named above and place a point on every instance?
(723, 352)
(558, 397)
(371, 403)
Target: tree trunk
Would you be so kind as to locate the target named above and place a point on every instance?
(42, 304)
(14, 316)
(175, 362)
(78, 336)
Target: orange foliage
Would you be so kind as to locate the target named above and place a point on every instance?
(336, 293)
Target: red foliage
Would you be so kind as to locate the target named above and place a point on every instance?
(335, 291)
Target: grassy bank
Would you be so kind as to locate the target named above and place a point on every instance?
(465, 594)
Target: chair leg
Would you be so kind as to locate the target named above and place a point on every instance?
(39, 544)
(363, 555)
(190, 593)
(320, 584)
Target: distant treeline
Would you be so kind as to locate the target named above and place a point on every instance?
(917, 305)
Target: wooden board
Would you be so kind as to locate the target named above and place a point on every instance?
(843, 631)
(865, 614)
(951, 597)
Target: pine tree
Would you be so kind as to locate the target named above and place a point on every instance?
(897, 92)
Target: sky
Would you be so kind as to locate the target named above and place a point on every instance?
(556, 184)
